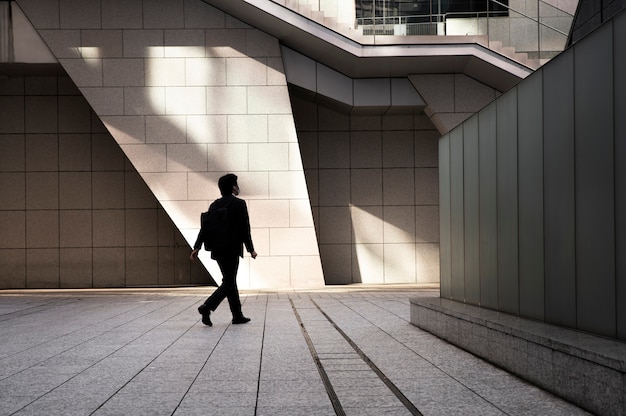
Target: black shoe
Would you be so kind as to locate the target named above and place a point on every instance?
(241, 320)
(206, 314)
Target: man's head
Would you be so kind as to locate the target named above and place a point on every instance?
(226, 184)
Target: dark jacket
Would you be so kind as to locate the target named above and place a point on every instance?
(239, 224)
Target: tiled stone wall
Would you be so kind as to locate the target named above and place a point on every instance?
(190, 93)
(373, 185)
(74, 213)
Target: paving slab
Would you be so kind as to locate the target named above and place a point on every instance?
(347, 350)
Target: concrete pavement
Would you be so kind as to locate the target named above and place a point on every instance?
(346, 350)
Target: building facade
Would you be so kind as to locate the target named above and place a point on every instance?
(118, 117)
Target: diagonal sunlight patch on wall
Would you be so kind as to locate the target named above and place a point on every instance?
(377, 258)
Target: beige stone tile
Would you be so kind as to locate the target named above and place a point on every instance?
(147, 158)
(295, 159)
(42, 152)
(167, 186)
(12, 268)
(306, 271)
(399, 224)
(246, 71)
(366, 149)
(62, 43)
(75, 228)
(367, 263)
(43, 268)
(335, 187)
(108, 190)
(75, 190)
(427, 149)
(227, 157)
(126, 129)
(366, 187)
(206, 128)
(141, 227)
(426, 186)
(287, 185)
(42, 190)
(276, 72)
(399, 263)
(77, 14)
(225, 43)
(368, 225)
(427, 263)
(125, 72)
(12, 191)
(259, 43)
(164, 72)
(268, 156)
(108, 228)
(75, 152)
(247, 128)
(269, 213)
(270, 271)
(334, 150)
(185, 100)
(41, 114)
(74, 115)
(166, 129)
(105, 101)
(137, 194)
(106, 155)
(254, 185)
(42, 229)
(337, 263)
(13, 157)
(13, 225)
(227, 100)
(399, 186)
(268, 100)
(126, 14)
(205, 71)
(109, 267)
(281, 128)
(398, 149)
(76, 267)
(201, 15)
(335, 225)
(186, 215)
(203, 186)
(300, 214)
(293, 241)
(101, 43)
(164, 14)
(143, 44)
(186, 157)
(84, 72)
(427, 223)
(144, 101)
(12, 115)
(184, 43)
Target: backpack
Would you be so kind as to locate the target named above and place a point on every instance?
(216, 227)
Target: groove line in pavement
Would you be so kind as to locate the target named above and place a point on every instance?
(332, 395)
(394, 389)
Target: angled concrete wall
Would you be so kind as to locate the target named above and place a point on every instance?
(190, 93)
(533, 193)
(74, 213)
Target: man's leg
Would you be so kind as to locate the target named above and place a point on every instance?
(228, 266)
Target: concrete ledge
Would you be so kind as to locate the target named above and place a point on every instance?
(586, 370)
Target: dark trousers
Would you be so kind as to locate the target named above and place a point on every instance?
(229, 264)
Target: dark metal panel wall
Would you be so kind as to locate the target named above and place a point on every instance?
(595, 224)
(530, 183)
